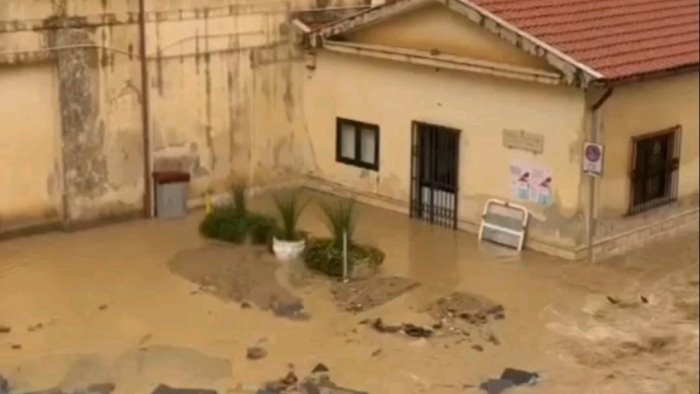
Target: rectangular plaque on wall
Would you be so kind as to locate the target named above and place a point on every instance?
(521, 139)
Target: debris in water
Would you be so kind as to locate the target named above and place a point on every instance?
(369, 293)
(510, 377)
(520, 377)
(644, 299)
(290, 379)
(145, 339)
(35, 327)
(163, 389)
(4, 385)
(292, 310)
(612, 300)
(379, 326)
(103, 307)
(240, 274)
(101, 388)
(496, 386)
(417, 331)
(16, 347)
(245, 305)
(478, 348)
(492, 338)
(470, 308)
(377, 352)
(5, 330)
(320, 368)
(256, 353)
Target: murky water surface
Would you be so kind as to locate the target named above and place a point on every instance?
(149, 302)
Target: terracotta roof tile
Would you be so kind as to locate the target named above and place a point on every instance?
(617, 38)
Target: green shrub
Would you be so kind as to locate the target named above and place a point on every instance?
(289, 206)
(261, 228)
(212, 223)
(238, 197)
(234, 230)
(229, 224)
(325, 256)
(340, 218)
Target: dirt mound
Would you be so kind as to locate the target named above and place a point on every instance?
(243, 274)
(367, 294)
(469, 307)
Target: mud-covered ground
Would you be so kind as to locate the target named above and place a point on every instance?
(148, 306)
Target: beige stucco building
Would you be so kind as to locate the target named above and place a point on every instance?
(428, 107)
(508, 104)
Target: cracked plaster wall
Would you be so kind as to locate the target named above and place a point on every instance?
(225, 92)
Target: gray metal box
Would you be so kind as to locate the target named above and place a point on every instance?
(171, 200)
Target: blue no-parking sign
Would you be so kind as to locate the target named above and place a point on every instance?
(593, 158)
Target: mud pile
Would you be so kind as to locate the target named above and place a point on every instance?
(370, 293)
(242, 274)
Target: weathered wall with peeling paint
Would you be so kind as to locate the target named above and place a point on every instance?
(225, 93)
(434, 27)
(393, 94)
(30, 152)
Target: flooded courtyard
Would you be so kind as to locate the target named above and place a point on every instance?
(142, 306)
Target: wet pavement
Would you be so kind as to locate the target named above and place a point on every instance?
(145, 304)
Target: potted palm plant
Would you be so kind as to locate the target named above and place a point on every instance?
(289, 243)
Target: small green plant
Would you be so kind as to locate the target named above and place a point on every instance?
(235, 223)
(238, 197)
(340, 219)
(326, 254)
(261, 228)
(289, 205)
(323, 255)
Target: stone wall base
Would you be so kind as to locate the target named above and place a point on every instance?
(652, 229)
(635, 235)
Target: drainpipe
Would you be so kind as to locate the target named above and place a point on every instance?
(145, 114)
(596, 137)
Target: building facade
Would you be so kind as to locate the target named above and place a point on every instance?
(511, 113)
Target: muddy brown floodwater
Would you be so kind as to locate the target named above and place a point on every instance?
(145, 304)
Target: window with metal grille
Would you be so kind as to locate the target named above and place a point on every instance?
(357, 143)
(654, 177)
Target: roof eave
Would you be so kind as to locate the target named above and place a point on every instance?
(574, 73)
(649, 75)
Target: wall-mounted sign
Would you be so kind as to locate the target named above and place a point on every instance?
(593, 158)
(531, 183)
(521, 139)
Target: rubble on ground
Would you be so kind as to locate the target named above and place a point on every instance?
(367, 294)
(510, 377)
(163, 389)
(318, 381)
(245, 275)
(409, 329)
(470, 308)
(256, 353)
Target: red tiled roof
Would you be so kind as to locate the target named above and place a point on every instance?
(616, 38)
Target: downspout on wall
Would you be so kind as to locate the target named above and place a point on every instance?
(596, 137)
(145, 114)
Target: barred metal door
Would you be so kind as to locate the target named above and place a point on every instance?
(434, 174)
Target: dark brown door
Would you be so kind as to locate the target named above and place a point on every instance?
(434, 174)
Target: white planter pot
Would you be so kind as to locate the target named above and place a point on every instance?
(287, 250)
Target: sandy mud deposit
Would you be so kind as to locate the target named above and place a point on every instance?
(370, 293)
(634, 342)
(246, 275)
